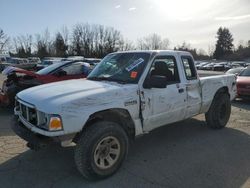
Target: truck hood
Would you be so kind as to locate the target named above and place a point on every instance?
(50, 97)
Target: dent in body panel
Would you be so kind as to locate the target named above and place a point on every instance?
(79, 111)
(193, 96)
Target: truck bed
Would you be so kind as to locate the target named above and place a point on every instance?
(210, 84)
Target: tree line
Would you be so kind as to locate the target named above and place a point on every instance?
(90, 40)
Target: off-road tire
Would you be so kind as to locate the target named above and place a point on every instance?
(219, 111)
(87, 144)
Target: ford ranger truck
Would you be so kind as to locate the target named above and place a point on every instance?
(126, 95)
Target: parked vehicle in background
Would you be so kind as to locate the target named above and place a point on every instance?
(126, 95)
(235, 71)
(53, 58)
(19, 79)
(4, 58)
(92, 61)
(46, 63)
(223, 66)
(200, 65)
(239, 63)
(243, 84)
(235, 65)
(209, 66)
(18, 62)
(34, 60)
(74, 58)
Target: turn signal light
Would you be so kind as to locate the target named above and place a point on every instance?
(55, 124)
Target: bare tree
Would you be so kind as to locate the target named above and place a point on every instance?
(125, 45)
(95, 40)
(44, 45)
(23, 45)
(201, 52)
(65, 34)
(211, 49)
(153, 42)
(4, 39)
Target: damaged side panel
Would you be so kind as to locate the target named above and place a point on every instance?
(210, 85)
(79, 111)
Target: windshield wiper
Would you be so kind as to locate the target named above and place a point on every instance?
(98, 78)
(108, 79)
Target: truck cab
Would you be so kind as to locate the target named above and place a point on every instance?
(180, 94)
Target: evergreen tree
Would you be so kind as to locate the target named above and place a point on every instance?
(42, 50)
(224, 45)
(60, 46)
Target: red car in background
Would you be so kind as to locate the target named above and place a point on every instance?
(243, 84)
(20, 79)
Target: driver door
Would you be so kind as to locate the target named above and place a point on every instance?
(161, 106)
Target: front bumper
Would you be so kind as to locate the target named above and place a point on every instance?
(37, 141)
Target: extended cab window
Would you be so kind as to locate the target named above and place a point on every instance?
(166, 66)
(189, 68)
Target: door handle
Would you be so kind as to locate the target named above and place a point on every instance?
(181, 90)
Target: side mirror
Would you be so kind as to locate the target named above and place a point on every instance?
(155, 81)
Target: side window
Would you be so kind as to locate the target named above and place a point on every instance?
(165, 66)
(73, 69)
(189, 68)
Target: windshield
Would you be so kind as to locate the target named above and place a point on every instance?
(245, 72)
(50, 68)
(121, 67)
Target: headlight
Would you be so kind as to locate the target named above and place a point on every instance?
(50, 122)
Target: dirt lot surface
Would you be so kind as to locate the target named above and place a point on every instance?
(184, 154)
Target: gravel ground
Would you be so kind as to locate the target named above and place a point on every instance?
(184, 154)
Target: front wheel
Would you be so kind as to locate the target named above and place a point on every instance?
(219, 111)
(101, 150)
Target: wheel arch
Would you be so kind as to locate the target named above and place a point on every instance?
(223, 89)
(219, 91)
(208, 102)
(117, 115)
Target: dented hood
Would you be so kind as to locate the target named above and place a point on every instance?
(50, 97)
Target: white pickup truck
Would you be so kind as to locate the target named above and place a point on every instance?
(126, 95)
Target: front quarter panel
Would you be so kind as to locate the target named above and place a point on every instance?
(76, 113)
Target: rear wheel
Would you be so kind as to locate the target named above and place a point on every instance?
(101, 150)
(219, 111)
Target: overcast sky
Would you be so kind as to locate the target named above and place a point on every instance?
(193, 21)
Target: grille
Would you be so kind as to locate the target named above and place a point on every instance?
(28, 113)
